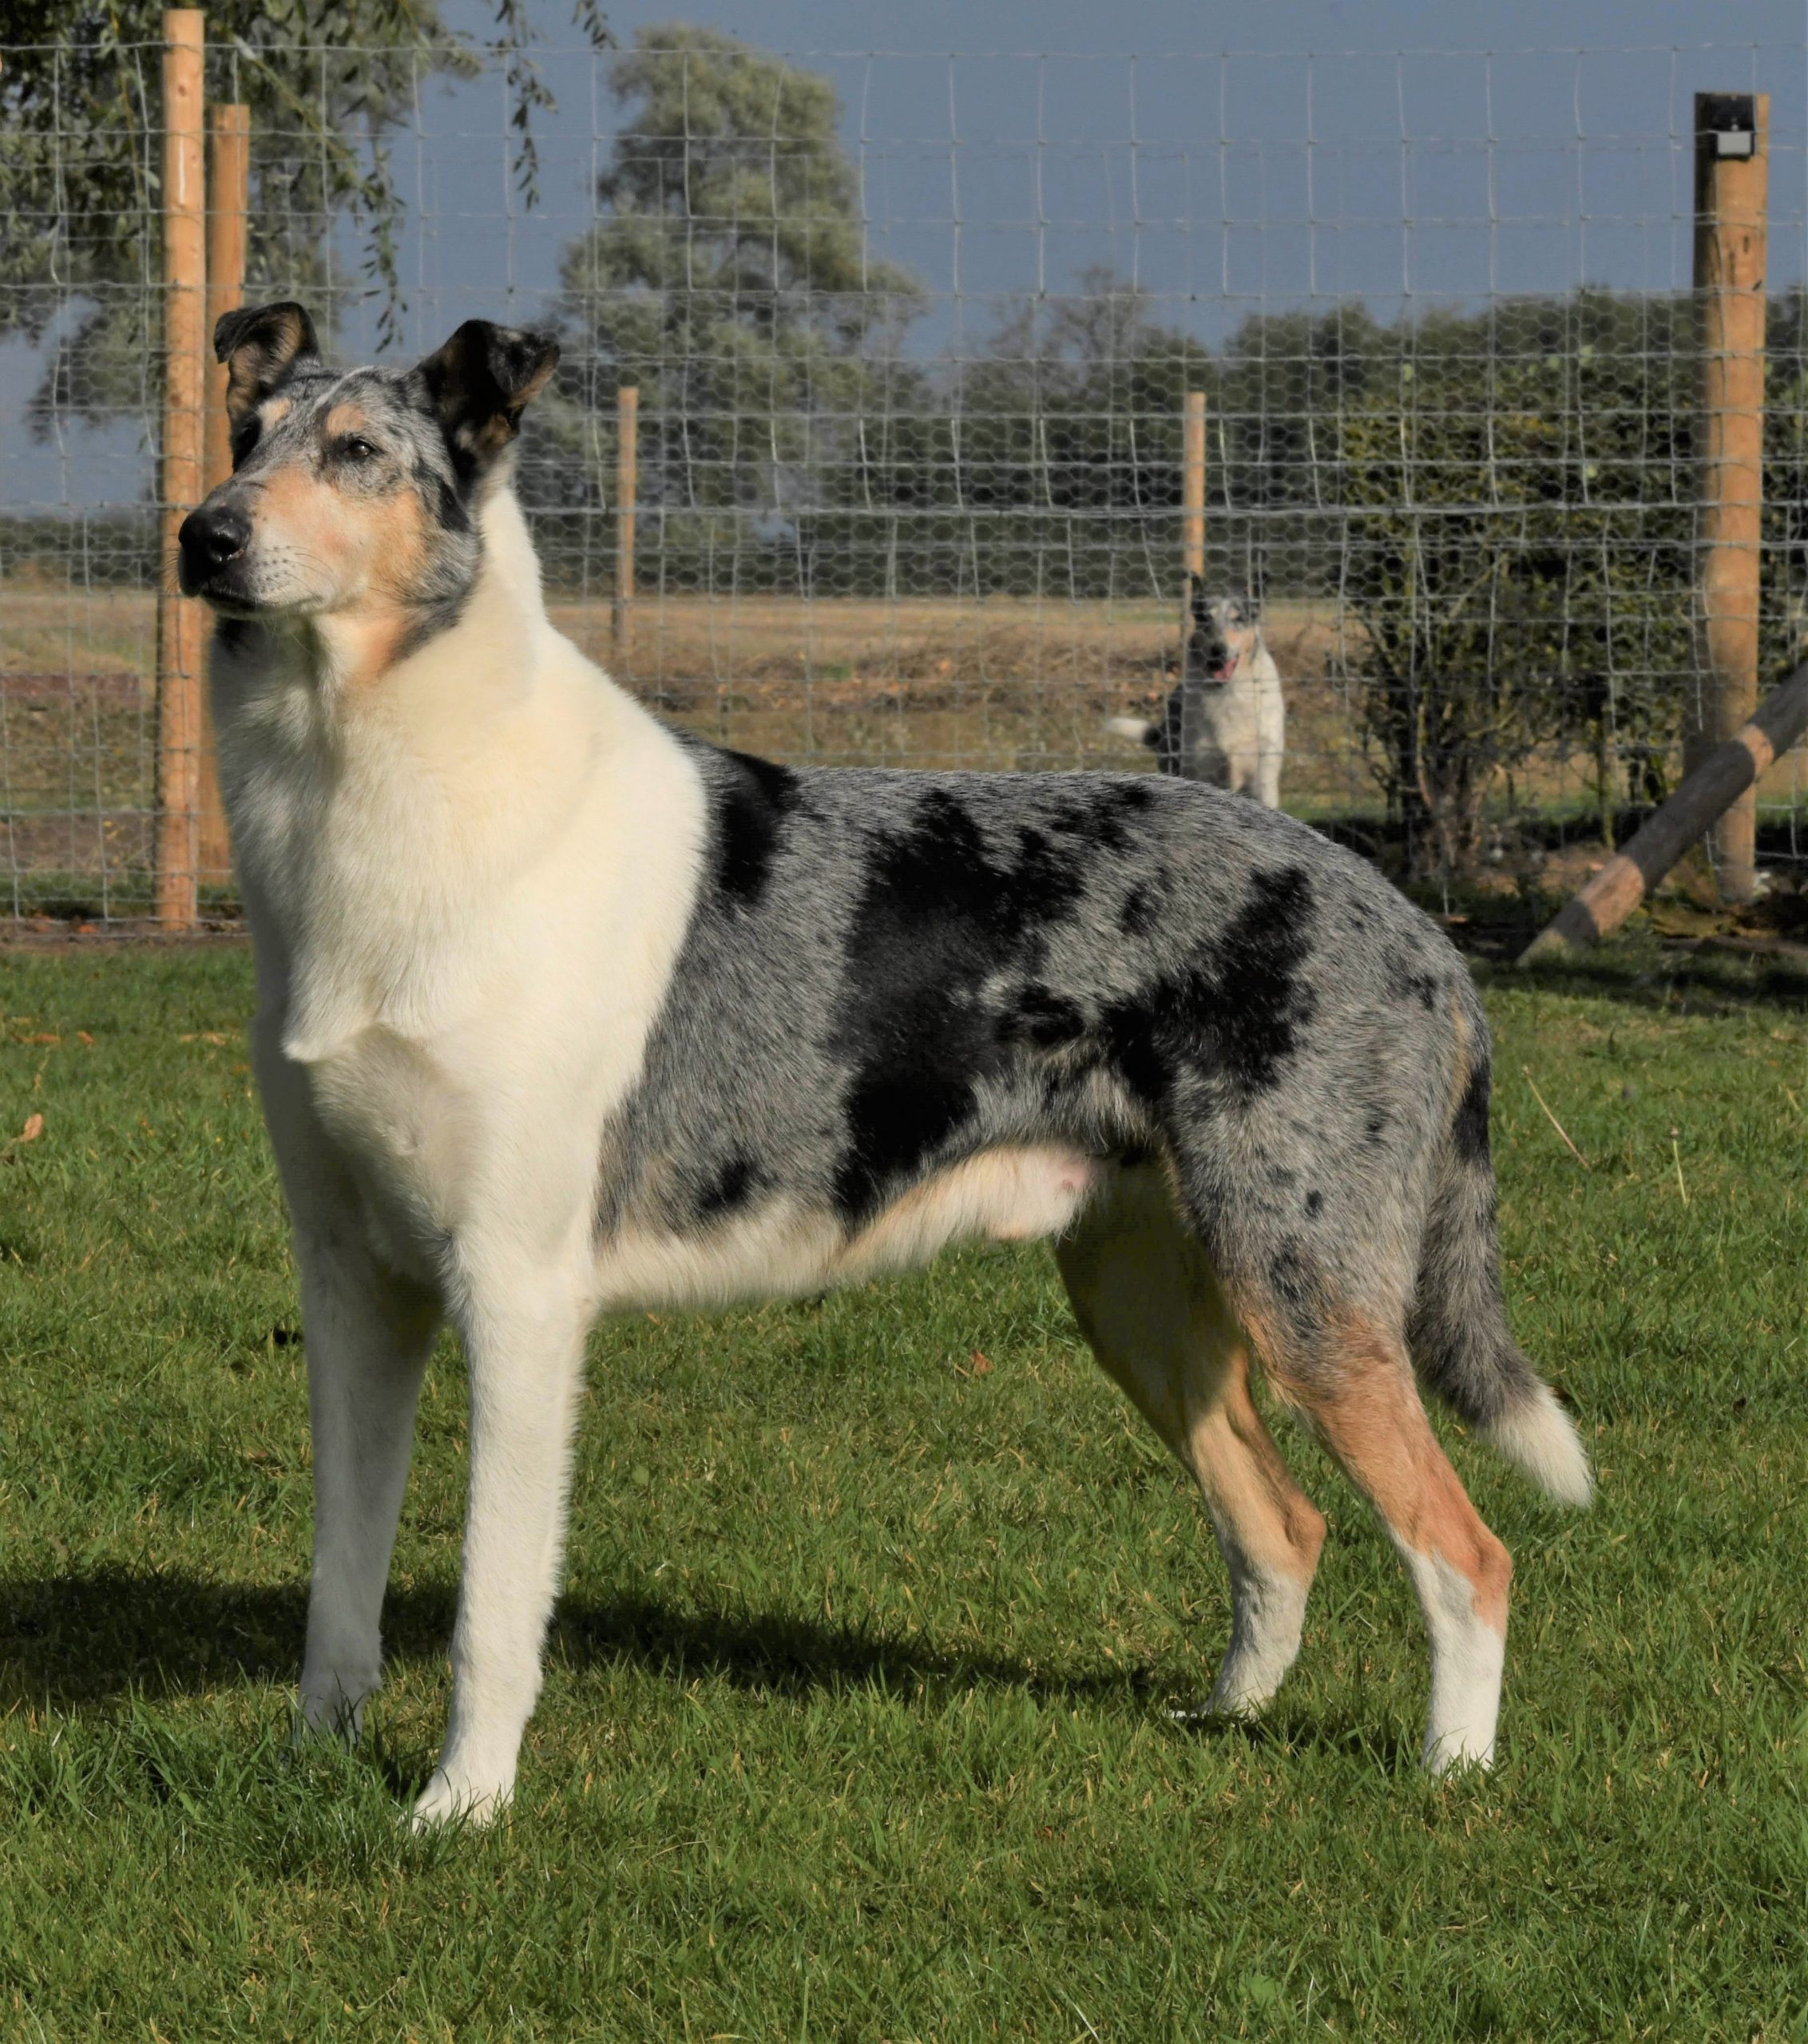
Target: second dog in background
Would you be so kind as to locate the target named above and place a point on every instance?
(1225, 723)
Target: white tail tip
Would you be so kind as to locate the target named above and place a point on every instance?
(1541, 1438)
(1136, 729)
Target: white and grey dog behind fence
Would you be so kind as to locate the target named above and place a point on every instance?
(1225, 721)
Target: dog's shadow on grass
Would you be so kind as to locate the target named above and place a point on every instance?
(72, 1641)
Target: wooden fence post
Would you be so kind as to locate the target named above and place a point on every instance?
(1732, 177)
(1192, 486)
(185, 391)
(627, 451)
(228, 193)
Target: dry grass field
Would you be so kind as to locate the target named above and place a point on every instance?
(1001, 684)
(1005, 683)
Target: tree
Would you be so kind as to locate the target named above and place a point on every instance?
(1508, 499)
(728, 278)
(1068, 449)
(80, 156)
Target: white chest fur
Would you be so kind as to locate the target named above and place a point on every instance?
(468, 882)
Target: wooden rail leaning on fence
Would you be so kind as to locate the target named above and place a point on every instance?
(1721, 779)
(1732, 742)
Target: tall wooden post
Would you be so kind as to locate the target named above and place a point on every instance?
(228, 193)
(627, 465)
(1192, 485)
(1732, 179)
(185, 391)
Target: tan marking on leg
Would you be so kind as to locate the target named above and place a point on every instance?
(1159, 1323)
(1359, 1394)
(1231, 1451)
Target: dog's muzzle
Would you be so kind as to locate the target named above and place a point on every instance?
(210, 540)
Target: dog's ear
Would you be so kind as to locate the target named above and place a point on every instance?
(479, 383)
(260, 345)
(1199, 603)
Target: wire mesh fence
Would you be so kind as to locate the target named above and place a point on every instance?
(914, 340)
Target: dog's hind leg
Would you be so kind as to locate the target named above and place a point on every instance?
(1151, 1308)
(1350, 1377)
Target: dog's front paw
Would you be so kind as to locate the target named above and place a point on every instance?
(449, 1799)
(331, 1710)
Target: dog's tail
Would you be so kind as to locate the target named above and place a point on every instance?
(1462, 1347)
(1138, 730)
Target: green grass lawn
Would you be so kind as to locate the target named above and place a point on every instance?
(857, 1722)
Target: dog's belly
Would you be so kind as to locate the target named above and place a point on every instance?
(788, 1249)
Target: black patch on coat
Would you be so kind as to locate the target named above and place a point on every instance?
(751, 807)
(1314, 1201)
(442, 501)
(1136, 916)
(728, 1189)
(1046, 1019)
(940, 915)
(1237, 1011)
(1100, 821)
(440, 614)
(1469, 1131)
(1289, 1278)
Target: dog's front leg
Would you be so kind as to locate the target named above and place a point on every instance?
(523, 1356)
(368, 1334)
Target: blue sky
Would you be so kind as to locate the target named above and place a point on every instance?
(1226, 157)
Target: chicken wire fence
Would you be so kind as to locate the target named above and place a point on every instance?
(913, 341)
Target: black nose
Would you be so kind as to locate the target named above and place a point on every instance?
(209, 538)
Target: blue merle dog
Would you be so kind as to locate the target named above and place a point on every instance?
(563, 1011)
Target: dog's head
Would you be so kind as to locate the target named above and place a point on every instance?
(354, 492)
(1223, 633)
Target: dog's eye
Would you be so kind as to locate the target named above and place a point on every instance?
(355, 448)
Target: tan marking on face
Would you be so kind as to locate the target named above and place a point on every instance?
(1239, 642)
(396, 526)
(345, 419)
(274, 410)
(362, 557)
(295, 507)
(370, 643)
